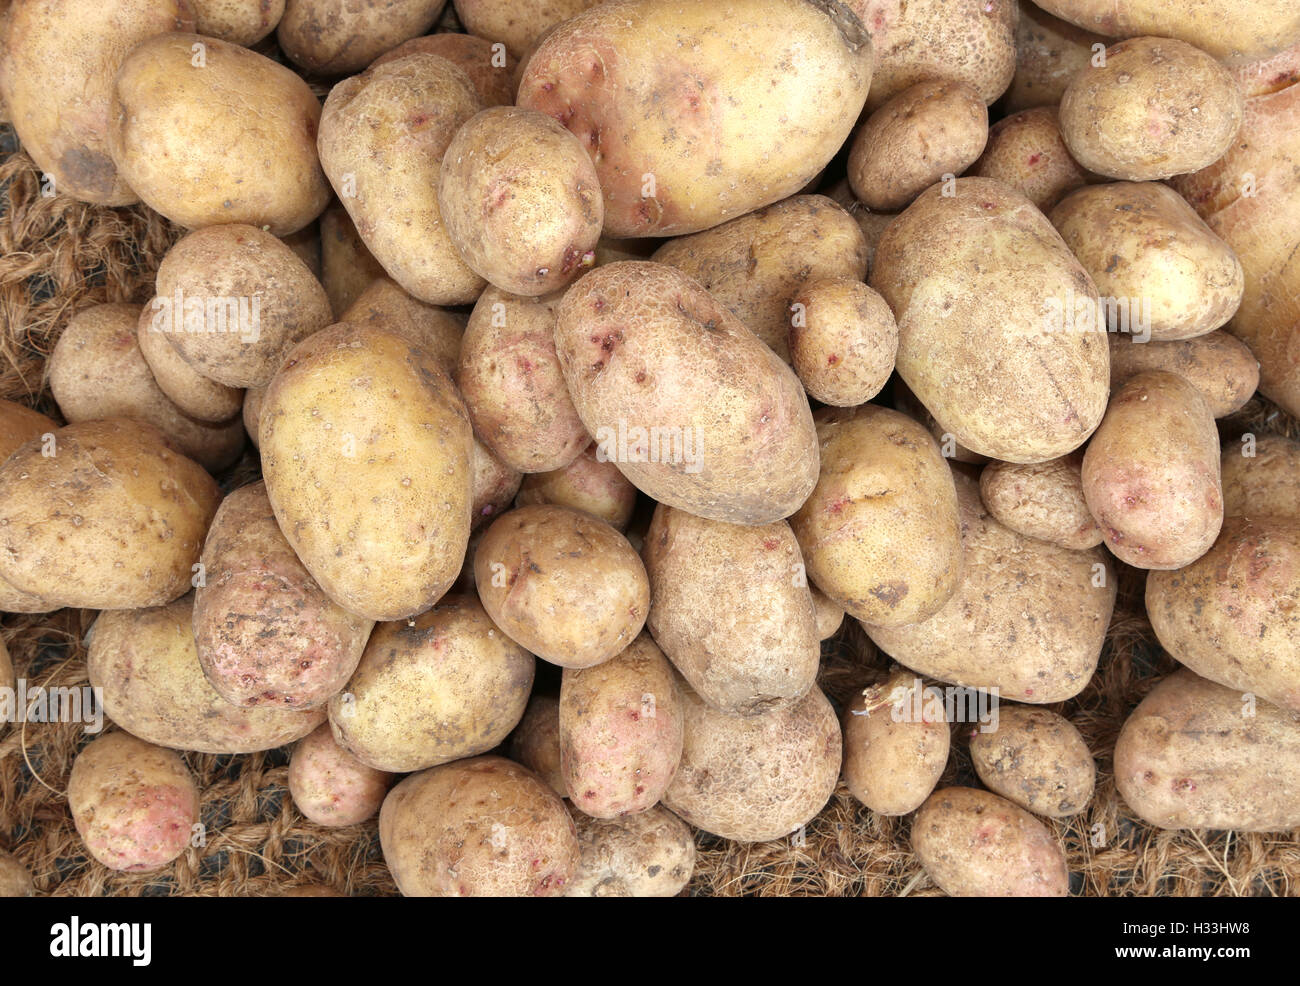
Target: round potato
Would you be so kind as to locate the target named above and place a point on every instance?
(330, 786)
(1263, 483)
(197, 396)
(385, 305)
(843, 340)
(495, 485)
(487, 63)
(484, 827)
(16, 879)
(347, 266)
(535, 743)
(1027, 152)
(588, 483)
(325, 37)
(651, 854)
(516, 23)
(1036, 759)
(1220, 366)
(241, 22)
(1043, 500)
(1049, 53)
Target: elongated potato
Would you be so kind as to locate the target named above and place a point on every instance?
(588, 483)
(327, 37)
(1265, 483)
(1044, 500)
(1036, 759)
(487, 63)
(330, 786)
(651, 854)
(1217, 364)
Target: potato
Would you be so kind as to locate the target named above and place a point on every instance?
(367, 454)
(1044, 500)
(1155, 108)
(489, 66)
(16, 880)
(197, 396)
(1151, 473)
(651, 854)
(655, 366)
(1220, 366)
(893, 757)
(98, 371)
(385, 305)
(828, 615)
(19, 424)
(305, 245)
(952, 450)
(535, 743)
(1037, 759)
(266, 632)
(513, 386)
(347, 266)
(134, 804)
(1049, 53)
(326, 37)
(973, 280)
(114, 519)
(153, 686)
(60, 57)
(444, 685)
(516, 23)
(495, 485)
(1265, 483)
(729, 604)
(1233, 615)
(975, 844)
(755, 265)
(563, 584)
(241, 22)
(620, 731)
(383, 135)
(588, 483)
(755, 778)
(937, 127)
(1145, 248)
(15, 600)
(696, 114)
(330, 786)
(880, 533)
(1026, 151)
(252, 412)
(1028, 618)
(182, 136)
(842, 341)
(484, 827)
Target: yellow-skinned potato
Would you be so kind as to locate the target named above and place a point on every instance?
(1265, 483)
(489, 66)
(347, 266)
(385, 305)
(183, 138)
(975, 844)
(1217, 364)
(445, 685)
(1042, 500)
(483, 827)
(114, 519)
(1026, 151)
(843, 340)
(1036, 759)
(1151, 473)
(696, 114)
(241, 22)
(880, 532)
(56, 83)
(729, 604)
(651, 854)
(16, 879)
(333, 37)
(516, 23)
(383, 135)
(330, 786)
(1049, 53)
(1197, 755)
(367, 453)
(587, 483)
(196, 395)
(535, 743)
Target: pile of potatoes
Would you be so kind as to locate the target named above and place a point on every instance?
(600, 358)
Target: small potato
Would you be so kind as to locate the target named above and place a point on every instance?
(1220, 366)
(730, 607)
(332, 787)
(520, 200)
(1044, 500)
(347, 266)
(896, 741)
(495, 485)
(1155, 108)
(535, 743)
(1036, 759)
(266, 632)
(651, 854)
(934, 128)
(241, 22)
(252, 412)
(196, 395)
(1026, 151)
(16, 880)
(620, 731)
(588, 483)
(182, 136)
(113, 520)
(489, 66)
(1049, 53)
(444, 685)
(561, 583)
(232, 300)
(19, 424)
(975, 844)
(1151, 473)
(516, 23)
(385, 305)
(1265, 483)
(843, 340)
(755, 778)
(1142, 244)
(828, 614)
(134, 804)
(484, 827)
(327, 37)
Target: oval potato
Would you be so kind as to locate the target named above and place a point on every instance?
(1036, 759)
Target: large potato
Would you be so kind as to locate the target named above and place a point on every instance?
(1042, 500)
(182, 135)
(973, 279)
(1217, 364)
(332, 37)
(489, 66)
(588, 483)
(651, 854)
(330, 786)
(1026, 150)
(692, 407)
(366, 450)
(1036, 759)
(1265, 483)
(695, 114)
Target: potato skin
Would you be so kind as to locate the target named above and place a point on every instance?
(843, 340)
(1043, 500)
(827, 613)
(1036, 759)
(667, 355)
(535, 743)
(385, 305)
(329, 38)
(1049, 53)
(516, 23)
(266, 632)
(893, 760)
(650, 854)
(754, 778)
(880, 533)
(147, 665)
(114, 520)
(1151, 473)
(1217, 364)
(241, 22)
(587, 483)
(183, 138)
(366, 451)
(723, 130)
(495, 485)
(16, 880)
(490, 69)
(330, 786)
(975, 844)
(347, 265)
(133, 803)
(1027, 152)
(197, 396)
(1191, 757)
(563, 584)
(1266, 484)
(19, 424)
(483, 827)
